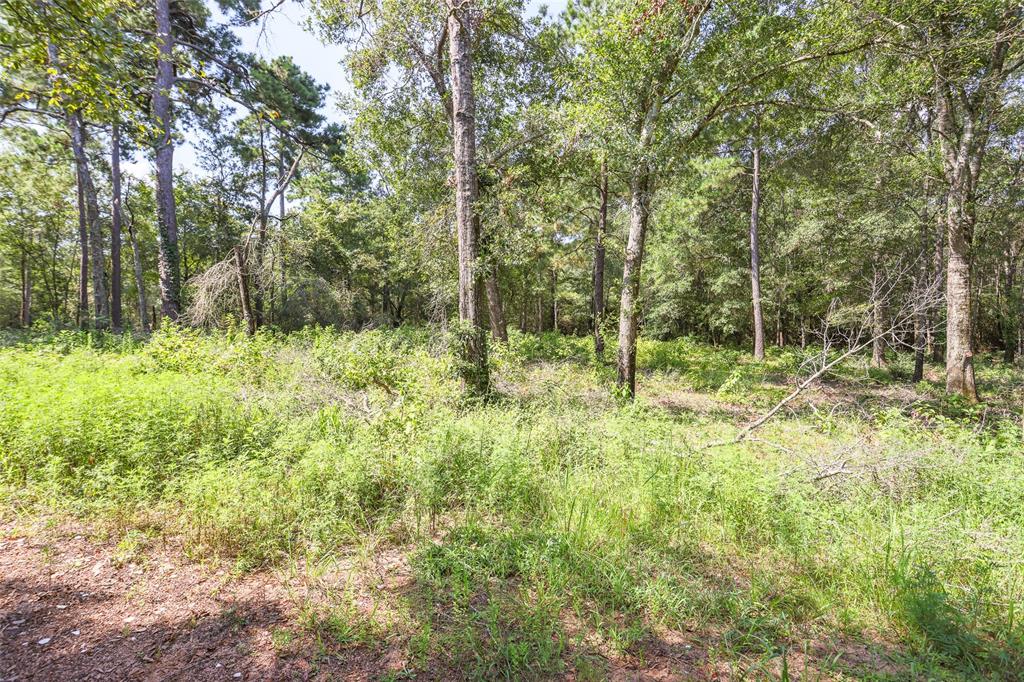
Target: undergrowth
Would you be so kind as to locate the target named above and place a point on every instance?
(552, 521)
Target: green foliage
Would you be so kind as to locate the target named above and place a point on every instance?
(540, 503)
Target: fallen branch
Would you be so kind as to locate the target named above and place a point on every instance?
(757, 423)
(927, 298)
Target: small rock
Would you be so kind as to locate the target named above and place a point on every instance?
(62, 606)
(76, 633)
(44, 641)
(237, 675)
(18, 622)
(129, 619)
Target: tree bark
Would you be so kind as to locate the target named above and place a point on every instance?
(283, 293)
(115, 229)
(878, 314)
(83, 253)
(755, 254)
(1010, 318)
(780, 330)
(639, 212)
(473, 341)
(261, 242)
(25, 312)
(959, 356)
(965, 111)
(80, 160)
(554, 300)
(938, 264)
(90, 203)
(920, 320)
(597, 305)
(960, 178)
(140, 285)
(640, 188)
(495, 305)
(243, 292)
(168, 261)
(495, 309)
(921, 279)
(492, 289)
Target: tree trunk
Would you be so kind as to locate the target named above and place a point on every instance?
(495, 305)
(938, 264)
(959, 356)
(755, 256)
(261, 242)
(639, 212)
(597, 306)
(1010, 321)
(473, 341)
(492, 289)
(168, 260)
(81, 178)
(878, 313)
(140, 285)
(243, 292)
(640, 188)
(25, 312)
(115, 229)
(921, 331)
(780, 331)
(554, 300)
(283, 293)
(976, 297)
(965, 112)
(90, 203)
(920, 320)
(83, 253)
(495, 309)
(522, 311)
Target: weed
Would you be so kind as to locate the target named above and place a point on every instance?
(901, 521)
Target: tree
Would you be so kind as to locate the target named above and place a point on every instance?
(472, 336)
(968, 94)
(755, 247)
(968, 52)
(115, 229)
(163, 84)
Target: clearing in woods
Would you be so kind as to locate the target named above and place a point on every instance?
(330, 506)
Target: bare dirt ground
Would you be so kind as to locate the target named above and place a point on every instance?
(71, 610)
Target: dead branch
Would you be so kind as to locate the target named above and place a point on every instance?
(923, 300)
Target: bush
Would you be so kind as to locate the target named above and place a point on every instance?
(551, 497)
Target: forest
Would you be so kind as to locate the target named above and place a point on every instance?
(492, 339)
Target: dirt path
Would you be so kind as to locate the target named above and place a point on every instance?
(69, 612)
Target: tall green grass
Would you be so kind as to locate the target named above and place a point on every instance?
(551, 503)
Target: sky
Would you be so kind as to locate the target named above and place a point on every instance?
(284, 32)
(280, 32)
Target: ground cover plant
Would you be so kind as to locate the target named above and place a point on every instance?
(511, 339)
(873, 530)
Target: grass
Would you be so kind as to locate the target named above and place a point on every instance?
(552, 528)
